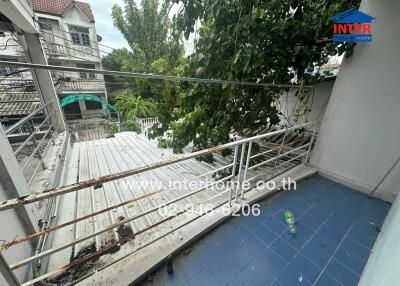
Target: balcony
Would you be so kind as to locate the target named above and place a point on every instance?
(81, 85)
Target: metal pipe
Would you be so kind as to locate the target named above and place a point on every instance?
(109, 246)
(246, 168)
(25, 261)
(277, 157)
(145, 75)
(108, 178)
(279, 153)
(37, 150)
(312, 141)
(32, 134)
(7, 273)
(239, 180)
(26, 118)
(233, 173)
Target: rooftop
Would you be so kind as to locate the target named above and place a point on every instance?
(59, 7)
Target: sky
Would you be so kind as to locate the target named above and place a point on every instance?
(111, 36)
(104, 23)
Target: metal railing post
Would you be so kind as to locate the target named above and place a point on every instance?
(233, 173)
(30, 130)
(279, 153)
(7, 273)
(239, 180)
(311, 142)
(245, 169)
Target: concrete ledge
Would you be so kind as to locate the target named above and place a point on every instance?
(137, 266)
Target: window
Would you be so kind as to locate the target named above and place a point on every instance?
(85, 75)
(80, 35)
(93, 105)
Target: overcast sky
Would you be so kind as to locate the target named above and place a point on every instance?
(104, 23)
(105, 28)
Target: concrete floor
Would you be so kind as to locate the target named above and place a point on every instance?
(335, 234)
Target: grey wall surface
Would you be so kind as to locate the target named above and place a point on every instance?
(360, 134)
(289, 103)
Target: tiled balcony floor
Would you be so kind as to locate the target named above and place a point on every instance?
(335, 233)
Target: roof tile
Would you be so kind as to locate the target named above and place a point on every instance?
(59, 7)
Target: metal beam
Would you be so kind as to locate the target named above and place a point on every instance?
(7, 273)
(20, 13)
(12, 181)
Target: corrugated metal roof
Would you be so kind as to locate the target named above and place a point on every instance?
(18, 103)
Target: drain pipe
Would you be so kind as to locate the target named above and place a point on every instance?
(384, 178)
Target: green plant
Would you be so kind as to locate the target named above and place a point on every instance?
(134, 106)
(266, 41)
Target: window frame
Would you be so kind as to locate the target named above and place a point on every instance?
(80, 35)
(86, 75)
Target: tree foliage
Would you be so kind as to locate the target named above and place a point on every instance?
(267, 41)
(134, 106)
(145, 27)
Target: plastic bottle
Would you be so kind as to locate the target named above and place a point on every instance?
(290, 221)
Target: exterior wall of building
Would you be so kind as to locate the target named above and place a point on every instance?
(360, 135)
(62, 51)
(289, 103)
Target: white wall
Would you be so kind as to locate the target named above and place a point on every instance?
(384, 262)
(360, 135)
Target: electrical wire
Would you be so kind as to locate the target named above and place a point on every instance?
(148, 75)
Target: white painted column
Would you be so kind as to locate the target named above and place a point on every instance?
(43, 81)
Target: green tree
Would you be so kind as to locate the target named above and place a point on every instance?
(266, 41)
(134, 106)
(145, 27)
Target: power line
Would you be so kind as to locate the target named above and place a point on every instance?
(147, 75)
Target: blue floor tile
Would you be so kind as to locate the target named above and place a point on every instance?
(297, 241)
(351, 261)
(283, 249)
(334, 233)
(271, 262)
(308, 269)
(292, 277)
(341, 273)
(326, 280)
(276, 225)
(356, 249)
(255, 274)
(205, 277)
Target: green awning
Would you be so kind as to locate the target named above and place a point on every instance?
(89, 97)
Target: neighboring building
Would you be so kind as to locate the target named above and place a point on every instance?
(69, 39)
